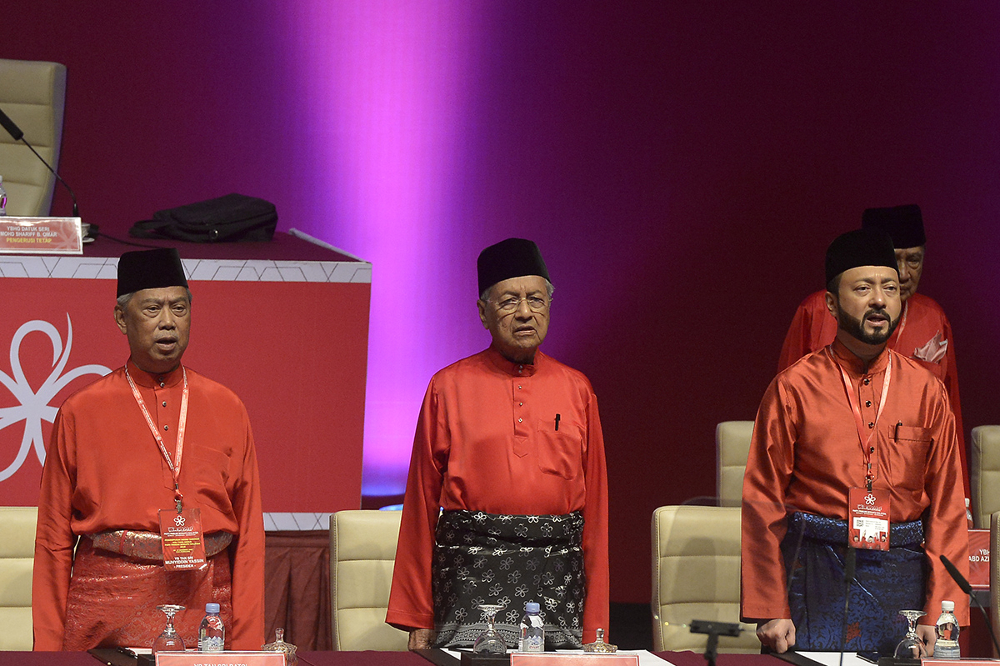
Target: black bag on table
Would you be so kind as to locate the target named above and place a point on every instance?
(234, 217)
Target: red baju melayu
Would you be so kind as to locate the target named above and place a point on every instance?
(813, 327)
(487, 440)
(806, 454)
(104, 471)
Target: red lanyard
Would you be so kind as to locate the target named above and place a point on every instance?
(866, 450)
(175, 468)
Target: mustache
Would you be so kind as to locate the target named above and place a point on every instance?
(877, 312)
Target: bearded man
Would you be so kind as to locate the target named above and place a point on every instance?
(923, 333)
(853, 458)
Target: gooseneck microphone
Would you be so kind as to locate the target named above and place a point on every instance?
(18, 135)
(850, 565)
(964, 585)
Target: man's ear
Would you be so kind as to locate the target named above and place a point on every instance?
(831, 303)
(120, 319)
(481, 304)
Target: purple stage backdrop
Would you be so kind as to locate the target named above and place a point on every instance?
(682, 165)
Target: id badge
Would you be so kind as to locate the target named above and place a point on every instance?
(868, 518)
(183, 539)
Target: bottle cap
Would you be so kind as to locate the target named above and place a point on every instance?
(948, 606)
(531, 607)
(211, 608)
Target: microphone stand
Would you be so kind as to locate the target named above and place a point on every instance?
(965, 587)
(850, 564)
(18, 135)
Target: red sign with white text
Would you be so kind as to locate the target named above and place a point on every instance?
(979, 559)
(192, 658)
(41, 235)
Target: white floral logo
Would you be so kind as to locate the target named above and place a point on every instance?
(33, 407)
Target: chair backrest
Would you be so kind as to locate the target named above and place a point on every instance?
(362, 554)
(732, 446)
(696, 576)
(984, 474)
(17, 553)
(33, 95)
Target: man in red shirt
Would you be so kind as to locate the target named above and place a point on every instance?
(509, 446)
(153, 441)
(852, 425)
(924, 332)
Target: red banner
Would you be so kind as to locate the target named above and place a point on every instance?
(295, 352)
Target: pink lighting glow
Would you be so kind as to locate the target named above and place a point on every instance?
(384, 86)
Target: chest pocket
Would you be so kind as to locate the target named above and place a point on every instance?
(908, 448)
(560, 452)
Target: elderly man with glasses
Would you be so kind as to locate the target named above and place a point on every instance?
(506, 500)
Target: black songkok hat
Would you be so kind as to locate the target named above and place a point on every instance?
(150, 269)
(861, 247)
(514, 257)
(904, 224)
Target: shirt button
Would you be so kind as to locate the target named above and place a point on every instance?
(871, 425)
(166, 427)
(164, 403)
(519, 420)
(868, 403)
(518, 387)
(520, 404)
(867, 381)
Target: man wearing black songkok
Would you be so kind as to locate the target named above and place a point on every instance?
(509, 445)
(853, 450)
(136, 448)
(924, 332)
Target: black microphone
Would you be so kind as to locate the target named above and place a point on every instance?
(10, 126)
(850, 564)
(964, 585)
(18, 135)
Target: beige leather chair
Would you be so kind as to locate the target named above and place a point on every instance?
(984, 474)
(696, 576)
(732, 445)
(17, 552)
(33, 95)
(362, 553)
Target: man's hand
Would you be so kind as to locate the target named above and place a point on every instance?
(779, 635)
(421, 639)
(927, 635)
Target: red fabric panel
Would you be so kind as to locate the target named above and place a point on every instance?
(297, 588)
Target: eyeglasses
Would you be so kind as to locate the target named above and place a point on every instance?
(511, 304)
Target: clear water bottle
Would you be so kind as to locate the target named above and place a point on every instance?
(3, 198)
(212, 633)
(532, 631)
(946, 645)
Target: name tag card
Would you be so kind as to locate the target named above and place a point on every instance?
(979, 559)
(573, 659)
(183, 539)
(40, 235)
(234, 658)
